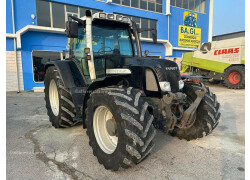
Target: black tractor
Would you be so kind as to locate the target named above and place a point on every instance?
(120, 95)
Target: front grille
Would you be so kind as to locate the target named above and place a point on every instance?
(173, 78)
(159, 74)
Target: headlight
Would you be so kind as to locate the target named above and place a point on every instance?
(102, 15)
(119, 17)
(111, 16)
(181, 84)
(165, 86)
(125, 19)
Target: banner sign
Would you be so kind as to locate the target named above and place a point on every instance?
(189, 34)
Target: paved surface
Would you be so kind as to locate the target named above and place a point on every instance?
(35, 150)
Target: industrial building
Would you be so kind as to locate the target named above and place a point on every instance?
(35, 31)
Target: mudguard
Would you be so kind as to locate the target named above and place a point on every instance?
(70, 73)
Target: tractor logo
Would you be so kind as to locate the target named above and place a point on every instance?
(171, 68)
(190, 20)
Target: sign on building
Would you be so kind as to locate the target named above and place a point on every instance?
(189, 34)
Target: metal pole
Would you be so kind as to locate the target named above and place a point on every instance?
(14, 32)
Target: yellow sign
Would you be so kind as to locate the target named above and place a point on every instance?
(189, 36)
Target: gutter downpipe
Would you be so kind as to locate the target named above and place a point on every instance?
(15, 50)
(211, 10)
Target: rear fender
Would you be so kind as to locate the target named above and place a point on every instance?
(69, 72)
(73, 80)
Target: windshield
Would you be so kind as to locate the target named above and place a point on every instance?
(111, 40)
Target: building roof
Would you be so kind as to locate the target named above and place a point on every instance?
(229, 36)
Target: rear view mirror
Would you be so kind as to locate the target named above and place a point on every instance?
(72, 29)
(154, 36)
(153, 33)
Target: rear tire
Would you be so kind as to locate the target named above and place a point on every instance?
(134, 129)
(59, 103)
(234, 77)
(207, 116)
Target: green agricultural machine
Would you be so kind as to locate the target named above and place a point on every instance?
(119, 95)
(219, 61)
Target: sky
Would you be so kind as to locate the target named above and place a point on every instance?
(229, 16)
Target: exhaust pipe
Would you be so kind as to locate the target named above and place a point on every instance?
(89, 45)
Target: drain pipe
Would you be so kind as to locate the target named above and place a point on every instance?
(14, 31)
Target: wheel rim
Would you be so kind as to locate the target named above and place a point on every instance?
(234, 78)
(105, 129)
(53, 97)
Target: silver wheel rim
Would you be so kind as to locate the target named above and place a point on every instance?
(105, 129)
(53, 97)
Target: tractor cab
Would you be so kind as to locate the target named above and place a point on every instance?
(95, 38)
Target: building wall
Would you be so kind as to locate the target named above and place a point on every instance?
(176, 19)
(31, 40)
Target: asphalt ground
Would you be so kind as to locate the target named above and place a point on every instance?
(36, 150)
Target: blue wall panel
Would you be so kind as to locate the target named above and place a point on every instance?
(38, 41)
(23, 11)
(9, 44)
(154, 49)
(176, 19)
(9, 27)
(178, 53)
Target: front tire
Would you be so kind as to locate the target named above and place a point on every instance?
(132, 132)
(207, 116)
(59, 103)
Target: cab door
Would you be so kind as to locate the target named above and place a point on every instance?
(77, 53)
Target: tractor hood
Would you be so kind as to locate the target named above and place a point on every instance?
(164, 70)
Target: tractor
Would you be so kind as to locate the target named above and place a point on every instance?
(121, 96)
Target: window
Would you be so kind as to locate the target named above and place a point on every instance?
(83, 11)
(172, 3)
(126, 2)
(40, 58)
(150, 5)
(179, 3)
(59, 13)
(143, 4)
(191, 4)
(109, 40)
(137, 21)
(71, 10)
(194, 5)
(43, 9)
(135, 3)
(152, 25)
(144, 23)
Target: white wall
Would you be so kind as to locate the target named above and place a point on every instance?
(11, 71)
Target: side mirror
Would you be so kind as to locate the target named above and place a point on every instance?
(72, 29)
(154, 36)
(146, 52)
(205, 47)
(153, 33)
